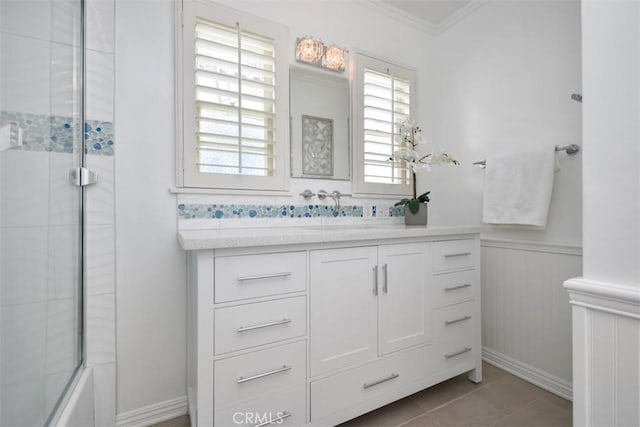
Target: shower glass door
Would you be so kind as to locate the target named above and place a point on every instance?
(41, 143)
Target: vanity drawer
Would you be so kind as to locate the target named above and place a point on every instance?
(251, 276)
(259, 373)
(354, 387)
(452, 288)
(454, 329)
(255, 324)
(454, 254)
(285, 408)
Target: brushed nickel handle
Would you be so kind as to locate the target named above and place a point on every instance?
(457, 254)
(275, 420)
(458, 353)
(263, 325)
(453, 288)
(451, 322)
(284, 368)
(385, 288)
(384, 380)
(264, 276)
(375, 280)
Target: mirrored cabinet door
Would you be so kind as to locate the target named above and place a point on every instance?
(319, 104)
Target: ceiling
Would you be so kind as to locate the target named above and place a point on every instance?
(433, 12)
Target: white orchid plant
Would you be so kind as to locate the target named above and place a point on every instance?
(409, 138)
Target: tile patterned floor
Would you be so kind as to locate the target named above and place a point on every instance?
(501, 400)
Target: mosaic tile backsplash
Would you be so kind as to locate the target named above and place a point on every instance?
(227, 211)
(56, 133)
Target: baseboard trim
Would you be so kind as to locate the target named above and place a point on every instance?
(153, 414)
(529, 373)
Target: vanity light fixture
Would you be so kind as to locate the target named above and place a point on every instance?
(335, 58)
(309, 50)
(314, 52)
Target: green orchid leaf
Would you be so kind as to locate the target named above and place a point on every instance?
(402, 202)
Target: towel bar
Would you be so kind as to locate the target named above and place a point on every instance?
(570, 149)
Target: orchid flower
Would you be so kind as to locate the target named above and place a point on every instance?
(408, 137)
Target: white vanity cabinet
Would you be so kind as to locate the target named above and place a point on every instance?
(367, 302)
(319, 332)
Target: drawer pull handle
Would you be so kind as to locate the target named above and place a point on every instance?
(384, 380)
(264, 276)
(457, 254)
(264, 325)
(451, 322)
(458, 353)
(284, 368)
(385, 288)
(454, 288)
(275, 420)
(375, 280)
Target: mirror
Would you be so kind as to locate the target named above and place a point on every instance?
(319, 125)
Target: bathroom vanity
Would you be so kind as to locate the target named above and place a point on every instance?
(318, 325)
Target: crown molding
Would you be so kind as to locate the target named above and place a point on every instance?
(400, 15)
(421, 24)
(459, 15)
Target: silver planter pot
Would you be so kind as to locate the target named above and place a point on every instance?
(419, 218)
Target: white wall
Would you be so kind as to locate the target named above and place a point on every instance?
(150, 267)
(612, 142)
(502, 79)
(606, 300)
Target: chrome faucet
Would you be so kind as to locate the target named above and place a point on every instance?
(335, 195)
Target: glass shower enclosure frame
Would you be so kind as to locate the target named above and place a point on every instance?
(42, 179)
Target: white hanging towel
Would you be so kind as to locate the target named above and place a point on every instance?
(518, 186)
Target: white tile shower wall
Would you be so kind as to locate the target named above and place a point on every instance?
(24, 260)
(65, 60)
(100, 259)
(24, 403)
(99, 85)
(62, 318)
(31, 170)
(104, 377)
(26, 18)
(99, 197)
(101, 342)
(25, 71)
(100, 15)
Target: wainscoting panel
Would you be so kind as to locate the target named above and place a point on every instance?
(606, 342)
(526, 316)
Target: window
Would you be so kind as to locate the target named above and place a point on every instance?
(234, 71)
(385, 95)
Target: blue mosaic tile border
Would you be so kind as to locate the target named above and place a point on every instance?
(57, 133)
(206, 211)
(396, 210)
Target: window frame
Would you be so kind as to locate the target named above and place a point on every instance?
(187, 172)
(360, 62)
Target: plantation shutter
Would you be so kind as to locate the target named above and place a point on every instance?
(235, 100)
(387, 100)
(383, 95)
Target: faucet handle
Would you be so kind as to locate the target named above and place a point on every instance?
(307, 194)
(322, 194)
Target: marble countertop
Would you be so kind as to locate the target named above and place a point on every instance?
(251, 237)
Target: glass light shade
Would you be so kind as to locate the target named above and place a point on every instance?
(309, 50)
(335, 58)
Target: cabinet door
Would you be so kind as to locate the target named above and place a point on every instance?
(404, 306)
(343, 307)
